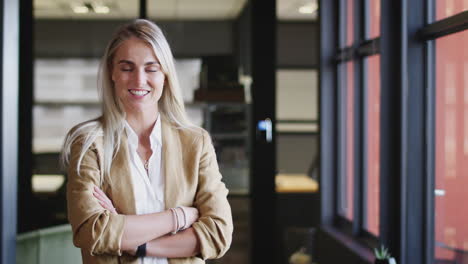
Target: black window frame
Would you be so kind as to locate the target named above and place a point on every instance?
(361, 49)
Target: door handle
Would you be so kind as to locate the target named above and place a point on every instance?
(439, 192)
(265, 129)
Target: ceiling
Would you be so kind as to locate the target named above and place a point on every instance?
(164, 9)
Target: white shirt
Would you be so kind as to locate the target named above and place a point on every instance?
(148, 188)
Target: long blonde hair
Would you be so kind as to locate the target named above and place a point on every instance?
(111, 124)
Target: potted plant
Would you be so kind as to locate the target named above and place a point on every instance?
(382, 256)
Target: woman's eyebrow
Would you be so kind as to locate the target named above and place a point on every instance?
(132, 63)
(126, 61)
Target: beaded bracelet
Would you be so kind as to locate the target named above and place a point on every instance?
(176, 221)
(185, 217)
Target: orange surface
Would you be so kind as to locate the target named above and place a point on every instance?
(297, 183)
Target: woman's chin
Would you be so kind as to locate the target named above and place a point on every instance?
(138, 108)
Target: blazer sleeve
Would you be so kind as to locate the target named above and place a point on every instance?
(214, 227)
(95, 230)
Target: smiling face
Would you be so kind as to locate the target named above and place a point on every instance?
(137, 76)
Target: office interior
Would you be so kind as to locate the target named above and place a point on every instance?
(340, 126)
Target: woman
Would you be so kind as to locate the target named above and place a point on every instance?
(143, 182)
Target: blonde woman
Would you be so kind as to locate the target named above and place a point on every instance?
(143, 182)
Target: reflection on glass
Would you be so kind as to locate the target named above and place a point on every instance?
(373, 145)
(451, 151)
(446, 8)
(349, 22)
(374, 19)
(65, 95)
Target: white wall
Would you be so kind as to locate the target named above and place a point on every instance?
(297, 98)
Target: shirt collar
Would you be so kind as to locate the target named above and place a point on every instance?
(155, 136)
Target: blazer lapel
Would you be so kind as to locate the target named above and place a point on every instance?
(121, 180)
(172, 163)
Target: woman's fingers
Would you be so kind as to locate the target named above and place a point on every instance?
(103, 200)
(108, 207)
(102, 194)
(100, 199)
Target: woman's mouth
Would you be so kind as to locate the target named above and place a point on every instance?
(138, 92)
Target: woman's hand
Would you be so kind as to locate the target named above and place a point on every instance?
(103, 200)
(191, 214)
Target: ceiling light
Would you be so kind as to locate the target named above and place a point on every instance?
(80, 9)
(101, 9)
(309, 8)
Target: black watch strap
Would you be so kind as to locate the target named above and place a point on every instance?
(141, 250)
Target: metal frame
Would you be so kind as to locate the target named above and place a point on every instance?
(9, 42)
(143, 9)
(429, 184)
(392, 206)
(341, 147)
(328, 17)
(358, 125)
(414, 131)
(429, 212)
(265, 234)
(446, 26)
(369, 47)
(27, 205)
(341, 137)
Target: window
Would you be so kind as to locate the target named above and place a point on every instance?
(349, 22)
(359, 59)
(374, 19)
(372, 143)
(447, 8)
(451, 148)
(407, 121)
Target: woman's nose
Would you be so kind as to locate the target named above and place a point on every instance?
(139, 79)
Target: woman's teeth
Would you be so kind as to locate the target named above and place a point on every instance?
(139, 93)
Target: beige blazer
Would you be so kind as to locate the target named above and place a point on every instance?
(192, 178)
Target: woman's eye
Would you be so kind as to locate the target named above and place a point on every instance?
(152, 70)
(126, 69)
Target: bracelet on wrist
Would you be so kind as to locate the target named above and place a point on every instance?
(185, 218)
(176, 221)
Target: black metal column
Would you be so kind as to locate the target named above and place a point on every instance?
(263, 196)
(415, 138)
(143, 9)
(393, 86)
(328, 19)
(27, 207)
